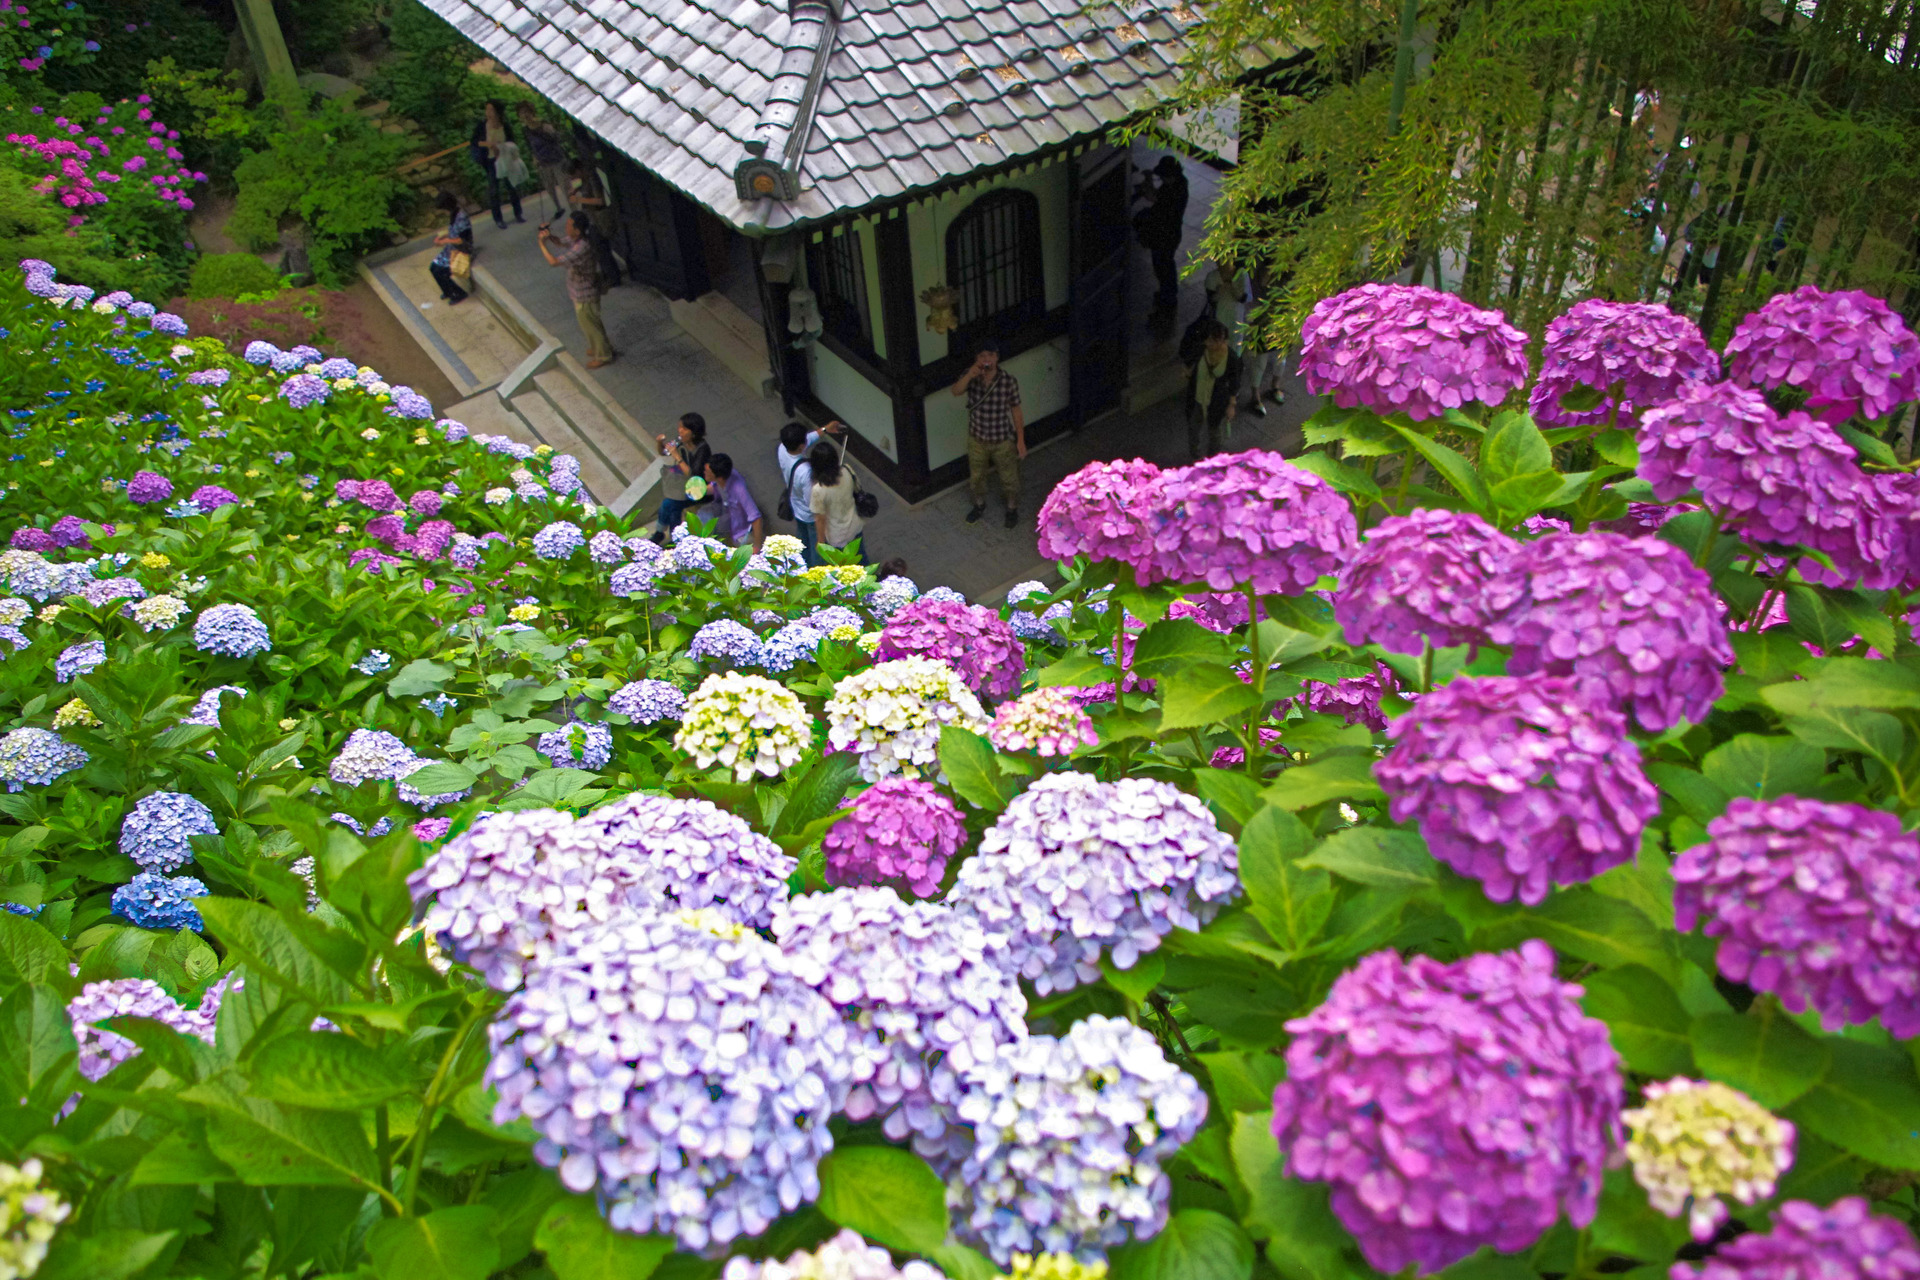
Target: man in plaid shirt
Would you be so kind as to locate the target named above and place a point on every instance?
(996, 431)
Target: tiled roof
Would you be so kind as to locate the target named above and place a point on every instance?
(916, 91)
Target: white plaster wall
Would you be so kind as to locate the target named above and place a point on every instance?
(860, 404)
(1044, 389)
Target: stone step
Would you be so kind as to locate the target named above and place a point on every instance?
(623, 445)
(602, 481)
(1149, 382)
(719, 325)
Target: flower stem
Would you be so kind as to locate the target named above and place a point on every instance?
(1253, 761)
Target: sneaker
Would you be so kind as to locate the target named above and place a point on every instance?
(1259, 410)
(1277, 396)
(973, 516)
(1013, 518)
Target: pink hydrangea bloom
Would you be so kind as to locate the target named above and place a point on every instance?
(1252, 517)
(1397, 348)
(1450, 1106)
(1844, 1241)
(1848, 351)
(901, 831)
(1103, 511)
(1421, 578)
(972, 639)
(1047, 721)
(1641, 348)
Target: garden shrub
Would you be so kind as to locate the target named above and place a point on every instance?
(229, 275)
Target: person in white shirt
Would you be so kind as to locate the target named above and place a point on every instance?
(797, 477)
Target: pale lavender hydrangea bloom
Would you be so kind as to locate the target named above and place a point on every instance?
(725, 640)
(1816, 903)
(1846, 1240)
(77, 660)
(970, 638)
(31, 757)
(1067, 1137)
(606, 547)
(846, 1256)
(1421, 579)
(303, 389)
(1397, 348)
(370, 755)
(1250, 517)
(892, 595)
(206, 708)
(1849, 351)
(158, 833)
(259, 352)
(638, 578)
(231, 630)
(1103, 511)
(580, 745)
(919, 979)
(1519, 782)
(676, 1065)
(1631, 615)
(558, 540)
(1644, 350)
(1076, 866)
(647, 701)
(103, 591)
(1450, 1106)
(101, 1050)
(898, 831)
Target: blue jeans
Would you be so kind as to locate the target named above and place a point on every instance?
(809, 538)
(672, 511)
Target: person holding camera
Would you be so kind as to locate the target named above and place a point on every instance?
(686, 458)
(583, 283)
(996, 431)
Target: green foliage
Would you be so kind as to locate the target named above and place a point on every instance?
(208, 106)
(32, 227)
(229, 275)
(326, 166)
(426, 76)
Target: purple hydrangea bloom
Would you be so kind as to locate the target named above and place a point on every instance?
(1397, 348)
(922, 977)
(606, 547)
(1519, 782)
(338, 368)
(1790, 481)
(101, 1049)
(303, 389)
(1053, 1123)
(1817, 903)
(899, 831)
(306, 354)
(32, 757)
(558, 540)
(157, 902)
(377, 495)
(209, 496)
(580, 745)
(725, 640)
(1844, 1241)
(970, 638)
(647, 701)
(232, 630)
(1103, 511)
(1250, 517)
(259, 352)
(158, 833)
(1849, 351)
(1641, 349)
(208, 378)
(71, 531)
(1075, 866)
(1632, 615)
(78, 659)
(206, 708)
(1450, 1106)
(370, 755)
(104, 591)
(675, 1064)
(1419, 579)
(425, 503)
(1355, 699)
(168, 323)
(29, 538)
(149, 487)
(410, 404)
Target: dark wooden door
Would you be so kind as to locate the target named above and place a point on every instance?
(658, 231)
(1097, 299)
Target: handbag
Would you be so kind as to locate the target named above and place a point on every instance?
(865, 505)
(785, 508)
(512, 168)
(460, 264)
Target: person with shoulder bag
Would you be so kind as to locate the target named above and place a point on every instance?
(454, 262)
(839, 514)
(795, 503)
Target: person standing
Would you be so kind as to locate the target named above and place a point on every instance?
(490, 133)
(583, 285)
(1161, 226)
(459, 235)
(996, 431)
(797, 476)
(1261, 361)
(685, 457)
(587, 196)
(549, 156)
(835, 513)
(740, 520)
(1213, 383)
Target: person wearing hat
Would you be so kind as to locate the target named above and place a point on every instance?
(1161, 226)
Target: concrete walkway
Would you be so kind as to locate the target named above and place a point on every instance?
(663, 372)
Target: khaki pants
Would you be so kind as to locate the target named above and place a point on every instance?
(588, 314)
(1001, 456)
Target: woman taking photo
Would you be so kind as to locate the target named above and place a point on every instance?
(836, 521)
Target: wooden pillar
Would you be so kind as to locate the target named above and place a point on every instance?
(898, 316)
(271, 61)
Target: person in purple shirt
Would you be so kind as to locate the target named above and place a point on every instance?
(740, 519)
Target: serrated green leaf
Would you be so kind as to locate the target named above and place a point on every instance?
(967, 759)
(443, 777)
(269, 1145)
(1847, 683)
(1177, 642)
(1376, 855)
(119, 1253)
(447, 1244)
(580, 1245)
(1203, 696)
(1449, 463)
(1290, 900)
(1137, 983)
(1334, 778)
(1867, 1103)
(818, 793)
(1343, 478)
(1761, 768)
(179, 1160)
(264, 941)
(28, 953)
(1303, 1240)
(1588, 926)
(419, 678)
(1074, 669)
(886, 1194)
(1233, 793)
(1648, 1025)
(1762, 1053)
(1196, 1244)
(554, 787)
(325, 1070)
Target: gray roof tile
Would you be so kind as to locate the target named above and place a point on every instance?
(679, 84)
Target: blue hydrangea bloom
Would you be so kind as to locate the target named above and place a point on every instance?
(375, 661)
(233, 630)
(578, 746)
(558, 540)
(157, 902)
(78, 659)
(157, 834)
(648, 701)
(728, 641)
(35, 757)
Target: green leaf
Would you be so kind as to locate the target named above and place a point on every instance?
(1618, 447)
(1868, 1103)
(1075, 669)
(28, 953)
(886, 1194)
(581, 1246)
(549, 786)
(967, 759)
(1137, 983)
(1376, 855)
(818, 792)
(115, 1254)
(1648, 1025)
(1233, 793)
(178, 1160)
(1761, 768)
(419, 678)
(37, 1048)
(1244, 1081)
(1762, 1053)
(1334, 778)
(1813, 620)
(1290, 900)
(961, 1263)
(443, 777)
(1847, 682)
(1582, 399)
(1304, 1241)
(1458, 471)
(270, 1145)
(258, 935)
(1872, 448)
(1698, 798)
(325, 1070)
(1201, 696)
(1196, 1244)
(1520, 496)
(1344, 479)
(1627, 1225)
(447, 1244)
(1770, 656)
(1588, 926)
(1177, 642)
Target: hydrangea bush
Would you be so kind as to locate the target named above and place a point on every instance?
(1476, 841)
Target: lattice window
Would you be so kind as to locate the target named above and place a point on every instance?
(837, 270)
(993, 263)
